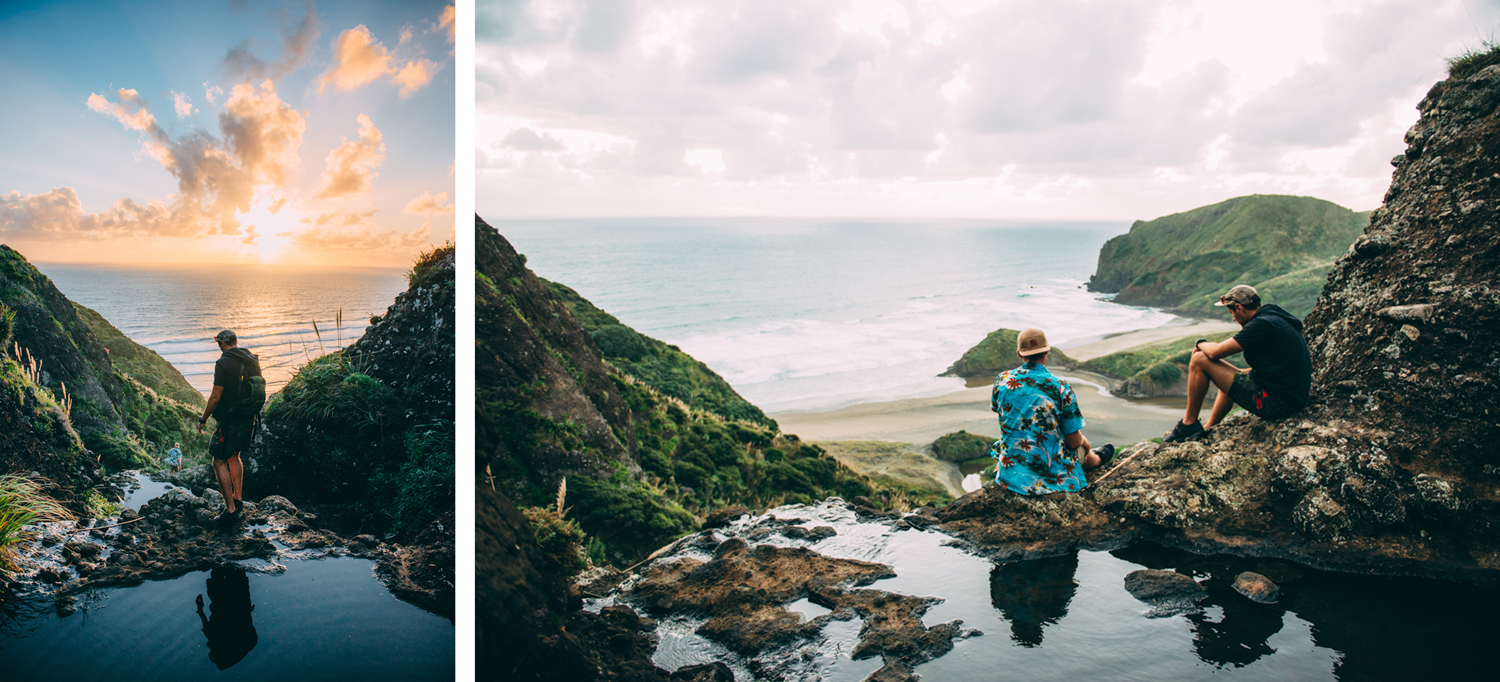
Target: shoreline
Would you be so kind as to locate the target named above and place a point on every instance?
(912, 424)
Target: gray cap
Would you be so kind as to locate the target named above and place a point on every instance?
(1242, 294)
(226, 336)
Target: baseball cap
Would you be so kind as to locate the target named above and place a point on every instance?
(1243, 294)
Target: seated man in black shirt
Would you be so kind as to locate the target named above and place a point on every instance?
(1280, 374)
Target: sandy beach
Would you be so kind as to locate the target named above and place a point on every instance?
(919, 421)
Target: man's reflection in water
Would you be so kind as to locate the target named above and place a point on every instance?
(230, 633)
(1241, 636)
(1033, 594)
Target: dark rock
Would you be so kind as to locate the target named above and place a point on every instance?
(67, 606)
(1170, 592)
(809, 534)
(894, 671)
(721, 517)
(706, 672)
(1257, 587)
(367, 540)
(52, 575)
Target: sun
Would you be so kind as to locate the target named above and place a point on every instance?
(267, 230)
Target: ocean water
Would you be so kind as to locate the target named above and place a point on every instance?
(176, 310)
(815, 314)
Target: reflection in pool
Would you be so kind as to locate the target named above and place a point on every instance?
(326, 619)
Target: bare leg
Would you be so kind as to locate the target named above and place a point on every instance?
(226, 482)
(1201, 371)
(237, 477)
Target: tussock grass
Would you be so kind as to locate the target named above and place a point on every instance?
(22, 503)
(1476, 60)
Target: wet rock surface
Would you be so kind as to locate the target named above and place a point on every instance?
(1257, 587)
(179, 532)
(1168, 591)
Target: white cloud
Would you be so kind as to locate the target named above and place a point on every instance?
(429, 203)
(351, 165)
(183, 104)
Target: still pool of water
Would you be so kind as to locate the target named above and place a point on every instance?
(326, 619)
(1069, 617)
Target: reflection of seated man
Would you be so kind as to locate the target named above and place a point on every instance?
(1033, 594)
(1038, 415)
(230, 633)
(1241, 636)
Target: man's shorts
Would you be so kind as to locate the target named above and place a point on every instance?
(1249, 395)
(230, 439)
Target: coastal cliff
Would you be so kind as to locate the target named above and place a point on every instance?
(1282, 245)
(73, 409)
(1390, 469)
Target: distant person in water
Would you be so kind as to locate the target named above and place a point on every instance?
(235, 426)
(1041, 427)
(1279, 380)
(174, 457)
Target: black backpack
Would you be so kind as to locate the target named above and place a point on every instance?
(249, 390)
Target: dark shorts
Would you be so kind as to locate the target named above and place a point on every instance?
(230, 439)
(1249, 395)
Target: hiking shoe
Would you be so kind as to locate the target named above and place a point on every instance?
(1182, 432)
(1105, 453)
(228, 517)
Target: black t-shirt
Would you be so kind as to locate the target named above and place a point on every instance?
(1277, 354)
(227, 374)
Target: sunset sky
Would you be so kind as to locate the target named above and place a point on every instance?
(260, 132)
(1070, 109)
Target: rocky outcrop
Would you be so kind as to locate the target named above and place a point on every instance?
(1390, 469)
(996, 353)
(370, 428)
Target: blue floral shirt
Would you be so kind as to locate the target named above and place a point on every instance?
(1036, 409)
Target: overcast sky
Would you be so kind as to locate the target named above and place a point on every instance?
(249, 131)
(977, 108)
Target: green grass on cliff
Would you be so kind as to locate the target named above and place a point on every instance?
(661, 366)
(996, 353)
(22, 503)
(140, 362)
(1282, 245)
(1474, 61)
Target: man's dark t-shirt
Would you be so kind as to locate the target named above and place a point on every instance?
(1277, 354)
(227, 374)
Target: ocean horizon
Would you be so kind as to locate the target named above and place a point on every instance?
(176, 309)
(812, 314)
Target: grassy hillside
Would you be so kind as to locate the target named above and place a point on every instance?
(996, 353)
(140, 362)
(1282, 245)
(661, 366)
(1157, 366)
(642, 466)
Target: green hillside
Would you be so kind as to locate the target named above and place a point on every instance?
(1284, 246)
(997, 352)
(140, 362)
(663, 367)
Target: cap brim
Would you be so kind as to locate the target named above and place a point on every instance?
(1220, 303)
(1035, 351)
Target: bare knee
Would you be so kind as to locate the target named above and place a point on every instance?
(1199, 361)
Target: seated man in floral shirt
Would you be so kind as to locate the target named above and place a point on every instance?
(1041, 428)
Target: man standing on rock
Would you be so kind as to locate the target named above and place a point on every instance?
(1039, 415)
(1279, 380)
(236, 423)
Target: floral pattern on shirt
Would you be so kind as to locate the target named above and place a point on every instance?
(1036, 410)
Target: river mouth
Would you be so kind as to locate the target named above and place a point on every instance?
(327, 618)
(1070, 617)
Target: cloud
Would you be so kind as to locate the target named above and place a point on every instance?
(428, 203)
(448, 21)
(211, 92)
(528, 140)
(217, 178)
(183, 104)
(129, 110)
(359, 237)
(339, 217)
(358, 59)
(240, 62)
(351, 165)
(413, 76)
